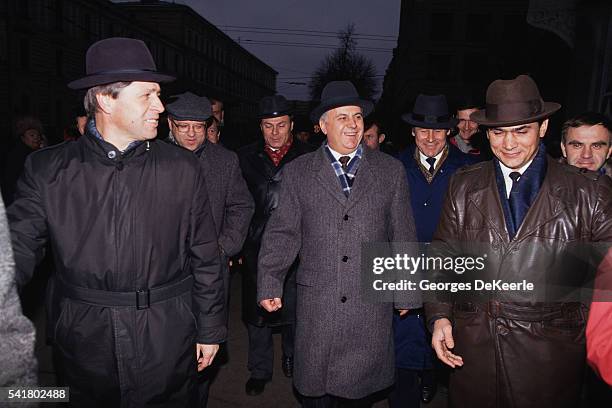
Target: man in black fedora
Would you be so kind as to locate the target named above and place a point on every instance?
(262, 166)
(138, 280)
(520, 348)
(430, 164)
(331, 201)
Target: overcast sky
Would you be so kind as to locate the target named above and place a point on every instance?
(296, 63)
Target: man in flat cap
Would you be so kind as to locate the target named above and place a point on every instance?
(524, 348)
(331, 201)
(262, 165)
(231, 203)
(138, 277)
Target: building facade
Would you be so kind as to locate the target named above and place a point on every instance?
(458, 46)
(43, 45)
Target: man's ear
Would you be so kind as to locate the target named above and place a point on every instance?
(563, 149)
(105, 102)
(543, 127)
(381, 138)
(323, 126)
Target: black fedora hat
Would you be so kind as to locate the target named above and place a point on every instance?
(514, 102)
(340, 93)
(273, 107)
(430, 112)
(189, 106)
(118, 59)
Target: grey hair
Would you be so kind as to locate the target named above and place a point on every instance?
(91, 102)
(324, 116)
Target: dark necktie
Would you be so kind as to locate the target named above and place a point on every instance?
(517, 215)
(431, 161)
(344, 160)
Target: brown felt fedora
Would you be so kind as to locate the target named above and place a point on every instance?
(118, 59)
(513, 102)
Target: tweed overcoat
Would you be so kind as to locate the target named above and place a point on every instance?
(344, 345)
(16, 331)
(263, 179)
(519, 354)
(231, 203)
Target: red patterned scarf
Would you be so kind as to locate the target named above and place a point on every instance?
(276, 155)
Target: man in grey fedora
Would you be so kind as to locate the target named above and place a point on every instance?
(529, 210)
(231, 203)
(138, 280)
(331, 201)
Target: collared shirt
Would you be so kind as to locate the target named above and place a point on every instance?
(421, 160)
(338, 155)
(438, 156)
(276, 154)
(345, 178)
(506, 172)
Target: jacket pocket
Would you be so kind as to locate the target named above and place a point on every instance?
(305, 278)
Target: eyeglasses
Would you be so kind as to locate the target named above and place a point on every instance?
(184, 127)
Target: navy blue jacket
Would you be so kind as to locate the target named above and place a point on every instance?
(427, 199)
(412, 344)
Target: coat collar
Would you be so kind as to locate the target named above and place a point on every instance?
(325, 175)
(483, 195)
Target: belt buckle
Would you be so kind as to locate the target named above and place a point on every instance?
(143, 299)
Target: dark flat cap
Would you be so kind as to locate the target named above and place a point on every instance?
(189, 106)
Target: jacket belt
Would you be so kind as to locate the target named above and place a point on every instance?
(531, 313)
(141, 299)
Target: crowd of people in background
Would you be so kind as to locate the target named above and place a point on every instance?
(145, 228)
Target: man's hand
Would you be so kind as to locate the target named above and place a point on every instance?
(271, 305)
(205, 354)
(442, 341)
(402, 312)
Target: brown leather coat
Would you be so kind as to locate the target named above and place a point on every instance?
(521, 354)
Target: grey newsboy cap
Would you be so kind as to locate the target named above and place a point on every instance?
(189, 106)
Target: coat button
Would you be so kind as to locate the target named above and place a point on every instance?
(119, 166)
(343, 299)
(346, 217)
(112, 154)
(344, 258)
(425, 204)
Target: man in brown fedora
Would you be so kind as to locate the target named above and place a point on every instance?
(138, 280)
(518, 349)
(331, 201)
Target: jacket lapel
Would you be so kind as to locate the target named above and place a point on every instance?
(485, 198)
(364, 180)
(326, 176)
(547, 205)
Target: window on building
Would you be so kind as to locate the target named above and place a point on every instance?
(24, 54)
(478, 27)
(59, 63)
(474, 67)
(87, 25)
(441, 28)
(59, 15)
(439, 67)
(23, 8)
(513, 24)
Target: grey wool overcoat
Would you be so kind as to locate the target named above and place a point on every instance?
(343, 344)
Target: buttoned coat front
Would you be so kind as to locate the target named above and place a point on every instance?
(344, 345)
(519, 353)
